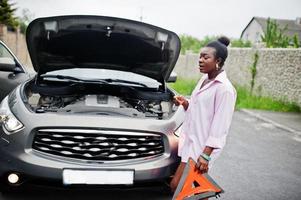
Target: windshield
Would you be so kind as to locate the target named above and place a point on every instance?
(115, 77)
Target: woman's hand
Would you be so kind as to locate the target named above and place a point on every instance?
(180, 100)
(202, 165)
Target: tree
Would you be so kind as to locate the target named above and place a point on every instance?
(189, 43)
(7, 14)
(194, 44)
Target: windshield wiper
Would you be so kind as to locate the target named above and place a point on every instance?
(110, 80)
(104, 81)
(74, 79)
(61, 77)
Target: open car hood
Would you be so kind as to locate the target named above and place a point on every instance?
(65, 42)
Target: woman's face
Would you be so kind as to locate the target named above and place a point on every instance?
(207, 60)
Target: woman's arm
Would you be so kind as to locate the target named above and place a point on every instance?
(204, 159)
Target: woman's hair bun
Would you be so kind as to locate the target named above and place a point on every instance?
(224, 40)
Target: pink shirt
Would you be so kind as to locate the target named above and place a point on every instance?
(208, 118)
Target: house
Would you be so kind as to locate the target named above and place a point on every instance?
(257, 26)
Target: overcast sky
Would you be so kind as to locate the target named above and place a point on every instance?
(194, 17)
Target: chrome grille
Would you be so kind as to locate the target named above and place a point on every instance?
(98, 145)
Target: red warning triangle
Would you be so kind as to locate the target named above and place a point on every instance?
(194, 185)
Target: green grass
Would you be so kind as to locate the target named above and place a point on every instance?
(184, 86)
(244, 98)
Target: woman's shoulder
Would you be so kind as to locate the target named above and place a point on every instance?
(226, 87)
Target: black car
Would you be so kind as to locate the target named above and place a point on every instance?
(98, 112)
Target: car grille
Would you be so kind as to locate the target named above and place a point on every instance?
(98, 145)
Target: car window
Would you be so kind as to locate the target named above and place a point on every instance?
(93, 74)
(4, 53)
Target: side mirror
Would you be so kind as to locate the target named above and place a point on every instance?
(9, 65)
(172, 78)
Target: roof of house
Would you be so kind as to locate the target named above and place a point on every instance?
(292, 26)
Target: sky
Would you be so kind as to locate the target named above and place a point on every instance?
(197, 18)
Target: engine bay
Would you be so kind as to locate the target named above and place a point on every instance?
(114, 101)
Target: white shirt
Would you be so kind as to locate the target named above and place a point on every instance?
(208, 118)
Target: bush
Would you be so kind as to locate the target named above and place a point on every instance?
(190, 43)
(275, 37)
(240, 43)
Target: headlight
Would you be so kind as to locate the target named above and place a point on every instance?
(8, 120)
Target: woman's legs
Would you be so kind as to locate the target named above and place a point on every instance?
(176, 178)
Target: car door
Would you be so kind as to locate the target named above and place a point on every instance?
(11, 71)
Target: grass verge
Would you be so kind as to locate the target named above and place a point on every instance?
(184, 86)
(244, 98)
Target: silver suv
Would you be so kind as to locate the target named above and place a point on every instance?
(98, 111)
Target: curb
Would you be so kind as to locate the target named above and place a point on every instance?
(283, 127)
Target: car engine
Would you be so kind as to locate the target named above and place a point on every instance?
(100, 104)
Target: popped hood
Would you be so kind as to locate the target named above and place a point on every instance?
(64, 42)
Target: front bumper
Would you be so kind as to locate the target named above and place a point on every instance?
(40, 168)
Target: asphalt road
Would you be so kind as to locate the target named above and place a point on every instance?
(259, 161)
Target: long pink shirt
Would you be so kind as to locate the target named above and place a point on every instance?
(208, 118)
